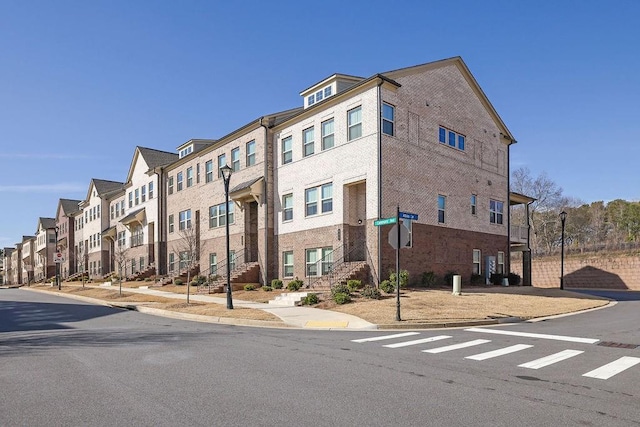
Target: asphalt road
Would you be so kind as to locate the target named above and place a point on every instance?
(67, 363)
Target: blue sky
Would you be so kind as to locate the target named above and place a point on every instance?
(83, 82)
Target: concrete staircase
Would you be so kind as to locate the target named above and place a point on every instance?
(356, 270)
(289, 299)
(246, 273)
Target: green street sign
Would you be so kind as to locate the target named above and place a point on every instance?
(384, 221)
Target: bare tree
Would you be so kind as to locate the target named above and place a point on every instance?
(188, 252)
(120, 259)
(81, 261)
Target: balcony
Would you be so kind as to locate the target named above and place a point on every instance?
(519, 233)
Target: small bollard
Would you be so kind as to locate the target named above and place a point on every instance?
(457, 283)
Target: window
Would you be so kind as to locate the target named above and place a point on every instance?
(451, 138)
(495, 212)
(197, 173)
(172, 262)
(222, 160)
(113, 211)
(235, 159)
(441, 206)
(143, 193)
(170, 185)
(217, 215)
(474, 201)
(122, 240)
(311, 201)
(130, 200)
(150, 190)
(476, 262)
(354, 121)
(184, 259)
(213, 264)
(137, 236)
(312, 262)
(307, 142)
(287, 263)
(117, 209)
(141, 263)
(122, 207)
(388, 119)
(232, 260)
(208, 171)
(186, 151)
(500, 263)
(184, 218)
(189, 176)
(287, 153)
(137, 191)
(171, 223)
(327, 198)
(311, 100)
(179, 181)
(319, 96)
(287, 207)
(327, 260)
(327, 91)
(251, 153)
(327, 134)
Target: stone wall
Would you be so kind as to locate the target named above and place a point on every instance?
(597, 271)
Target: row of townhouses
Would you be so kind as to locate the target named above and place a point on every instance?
(306, 187)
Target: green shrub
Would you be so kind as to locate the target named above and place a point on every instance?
(200, 279)
(193, 283)
(147, 279)
(514, 279)
(249, 287)
(139, 279)
(267, 288)
(354, 285)
(341, 298)
(496, 278)
(310, 299)
(387, 287)
(276, 284)
(404, 278)
(340, 288)
(448, 278)
(477, 279)
(295, 285)
(177, 282)
(429, 279)
(370, 292)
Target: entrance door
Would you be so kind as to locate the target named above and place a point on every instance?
(355, 221)
(251, 231)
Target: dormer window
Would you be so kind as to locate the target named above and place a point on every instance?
(319, 96)
(186, 151)
(327, 91)
(311, 100)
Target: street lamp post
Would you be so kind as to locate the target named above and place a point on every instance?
(563, 218)
(56, 261)
(226, 176)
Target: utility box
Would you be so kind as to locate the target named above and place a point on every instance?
(489, 268)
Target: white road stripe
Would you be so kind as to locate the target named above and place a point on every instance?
(550, 360)
(530, 335)
(499, 352)
(386, 337)
(613, 368)
(456, 346)
(415, 342)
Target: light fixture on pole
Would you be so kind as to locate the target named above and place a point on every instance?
(563, 218)
(226, 176)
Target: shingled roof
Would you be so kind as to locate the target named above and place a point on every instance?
(70, 206)
(155, 158)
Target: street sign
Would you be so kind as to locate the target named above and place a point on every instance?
(407, 215)
(384, 221)
(404, 236)
(58, 257)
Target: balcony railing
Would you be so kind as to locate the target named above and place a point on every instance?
(519, 233)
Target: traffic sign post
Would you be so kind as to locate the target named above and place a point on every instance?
(398, 264)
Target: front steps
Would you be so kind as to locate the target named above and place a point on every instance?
(290, 299)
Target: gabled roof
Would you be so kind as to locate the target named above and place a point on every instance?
(46, 223)
(457, 61)
(68, 207)
(152, 157)
(104, 187)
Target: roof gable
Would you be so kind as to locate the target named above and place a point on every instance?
(67, 207)
(103, 187)
(153, 159)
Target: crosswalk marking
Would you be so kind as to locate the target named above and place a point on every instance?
(613, 368)
(530, 335)
(499, 352)
(551, 359)
(456, 346)
(386, 337)
(415, 342)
